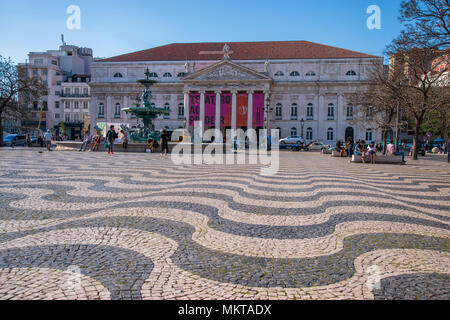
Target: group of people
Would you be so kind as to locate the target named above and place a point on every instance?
(361, 149)
(152, 145)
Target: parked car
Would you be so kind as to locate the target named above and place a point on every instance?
(14, 140)
(292, 140)
(318, 146)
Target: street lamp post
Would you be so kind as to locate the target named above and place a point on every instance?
(302, 124)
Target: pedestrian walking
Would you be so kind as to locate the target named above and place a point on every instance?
(48, 139)
(164, 143)
(111, 136)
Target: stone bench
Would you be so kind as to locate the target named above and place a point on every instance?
(379, 159)
(336, 154)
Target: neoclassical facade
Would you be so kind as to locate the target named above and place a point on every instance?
(298, 87)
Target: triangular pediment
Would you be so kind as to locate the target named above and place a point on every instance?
(227, 70)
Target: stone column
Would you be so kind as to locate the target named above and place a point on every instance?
(107, 107)
(250, 110)
(125, 105)
(320, 134)
(217, 117)
(186, 107)
(266, 111)
(339, 118)
(233, 111)
(202, 112)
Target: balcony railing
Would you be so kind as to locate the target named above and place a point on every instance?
(330, 118)
(75, 95)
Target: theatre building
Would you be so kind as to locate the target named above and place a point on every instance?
(305, 87)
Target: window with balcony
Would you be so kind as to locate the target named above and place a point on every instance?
(369, 135)
(117, 110)
(101, 110)
(181, 111)
(167, 107)
(294, 111)
(278, 111)
(349, 112)
(67, 105)
(67, 92)
(331, 111)
(77, 92)
(76, 105)
(85, 92)
(310, 112)
(330, 134)
(85, 105)
(67, 117)
(309, 134)
(76, 117)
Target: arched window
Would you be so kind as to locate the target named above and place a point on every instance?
(310, 112)
(331, 111)
(369, 135)
(351, 73)
(295, 74)
(167, 75)
(153, 75)
(349, 112)
(310, 74)
(167, 107)
(293, 131)
(279, 74)
(278, 111)
(309, 134)
(101, 110)
(294, 111)
(181, 74)
(181, 111)
(117, 111)
(118, 75)
(330, 134)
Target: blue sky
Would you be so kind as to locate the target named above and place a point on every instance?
(117, 26)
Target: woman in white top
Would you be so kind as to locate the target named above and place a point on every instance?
(372, 152)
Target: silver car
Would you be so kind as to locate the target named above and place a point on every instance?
(292, 140)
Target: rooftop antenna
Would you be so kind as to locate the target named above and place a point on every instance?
(62, 39)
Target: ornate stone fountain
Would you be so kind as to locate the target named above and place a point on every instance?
(147, 113)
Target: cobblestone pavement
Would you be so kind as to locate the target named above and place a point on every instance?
(136, 226)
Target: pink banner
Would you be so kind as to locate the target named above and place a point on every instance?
(225, 110)
(210, 109)
(258, 110)
(194, 108)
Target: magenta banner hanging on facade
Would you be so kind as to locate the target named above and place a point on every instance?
(210, 109)
(225, 110)
(194, 108)
(258, 110)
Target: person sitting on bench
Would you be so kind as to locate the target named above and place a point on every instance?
(339, 148)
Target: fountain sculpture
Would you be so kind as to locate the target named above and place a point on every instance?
(147, 113)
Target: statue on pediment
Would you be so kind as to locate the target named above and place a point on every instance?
(226, 52)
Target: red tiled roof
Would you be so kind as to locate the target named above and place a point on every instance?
(239, 51)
